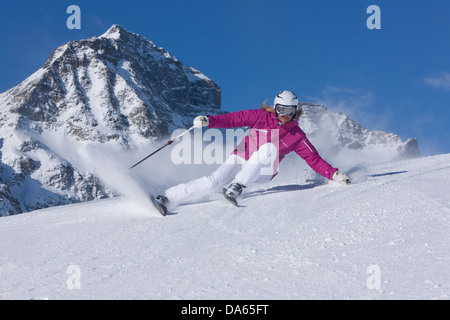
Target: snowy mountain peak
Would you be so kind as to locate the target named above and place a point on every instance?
(114, 32)
(118, 90)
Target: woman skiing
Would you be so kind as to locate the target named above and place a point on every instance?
(274, 133)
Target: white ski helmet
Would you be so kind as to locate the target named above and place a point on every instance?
(286, 98)
(286, 103)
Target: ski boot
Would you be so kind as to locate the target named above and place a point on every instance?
(160, 203)
(233, 192)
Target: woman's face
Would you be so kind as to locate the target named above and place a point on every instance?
(284, 118)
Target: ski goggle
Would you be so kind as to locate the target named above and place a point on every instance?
(283, 110)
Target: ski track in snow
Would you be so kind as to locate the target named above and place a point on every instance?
(286, 241)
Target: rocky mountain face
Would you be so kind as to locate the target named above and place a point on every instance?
(120, 91)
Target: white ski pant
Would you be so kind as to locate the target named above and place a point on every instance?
(260, 168)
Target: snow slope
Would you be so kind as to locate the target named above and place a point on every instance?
(383, 237)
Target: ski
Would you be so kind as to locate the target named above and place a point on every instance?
(230, 199)
(159, 206)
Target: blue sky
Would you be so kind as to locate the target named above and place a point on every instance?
(395, 79)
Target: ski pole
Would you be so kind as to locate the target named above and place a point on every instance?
(167, 144)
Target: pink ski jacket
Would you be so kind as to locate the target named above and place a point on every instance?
(265, 128)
